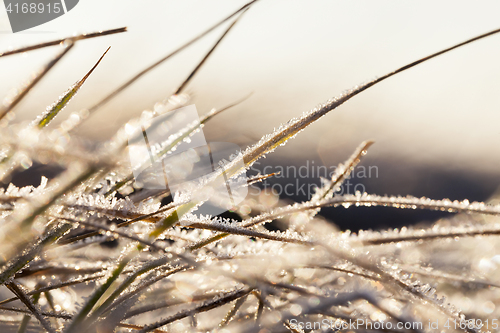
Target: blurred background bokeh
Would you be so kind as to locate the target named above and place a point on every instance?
(436, 126)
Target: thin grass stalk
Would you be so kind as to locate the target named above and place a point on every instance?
(430, 235)
(59, 41)
(228, 228)
(147, 284)
(43, 313)
(30, 305)
(181, 88)
(55, 286)
(165, 58)
(80, 317)
(269, 143)
(8, 105)
(105, 306)
(26, 319)
(144, 217)
(229, 297)
(102, 227)
(21, 261)
(237, 305)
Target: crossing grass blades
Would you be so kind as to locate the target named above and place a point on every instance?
(171, 271)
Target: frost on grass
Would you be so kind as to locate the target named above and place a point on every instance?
(91, 250)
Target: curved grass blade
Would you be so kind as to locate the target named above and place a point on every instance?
(54, 109)
(294, 126)
(11, 102)
(146, 283)
(46, 314)
(59, 41)
(410, 202)
(82, 319)
(108, 303)
(241, 231)
(270, 142)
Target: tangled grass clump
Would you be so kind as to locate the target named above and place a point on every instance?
(167, 269)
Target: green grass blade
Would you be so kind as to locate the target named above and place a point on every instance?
(54, 109)
(78, 320)
(106, 305)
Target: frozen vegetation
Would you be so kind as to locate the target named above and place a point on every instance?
(172, 270)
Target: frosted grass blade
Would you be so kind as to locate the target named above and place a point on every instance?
(54, 109)
(270, 142)
(29, 304)
(229, 297)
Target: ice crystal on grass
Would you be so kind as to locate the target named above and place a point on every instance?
(93, 250)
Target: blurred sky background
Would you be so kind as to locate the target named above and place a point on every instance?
(436, 126)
